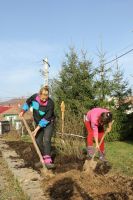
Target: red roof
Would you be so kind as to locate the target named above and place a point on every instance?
(11, 110)
(4, 108)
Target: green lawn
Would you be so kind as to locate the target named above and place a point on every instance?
(120, 154)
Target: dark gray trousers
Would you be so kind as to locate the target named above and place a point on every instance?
(43, 139)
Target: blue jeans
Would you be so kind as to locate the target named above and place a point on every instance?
(43, 139)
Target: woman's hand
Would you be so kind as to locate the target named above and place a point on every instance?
(21, 114)
(96, 141)
(109, 127)
(97, 146)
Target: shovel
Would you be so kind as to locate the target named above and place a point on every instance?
(45, 170)
(90, 165)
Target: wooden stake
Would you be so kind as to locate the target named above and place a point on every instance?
(62, 116)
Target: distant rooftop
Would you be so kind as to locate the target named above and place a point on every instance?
(4, 108)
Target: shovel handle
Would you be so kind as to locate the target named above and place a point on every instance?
(33, 140)
(106, 132)
(99, 145)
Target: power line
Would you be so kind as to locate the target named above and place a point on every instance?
(118, 57)
(120, 51)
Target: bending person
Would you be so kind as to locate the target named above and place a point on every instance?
(95, 120)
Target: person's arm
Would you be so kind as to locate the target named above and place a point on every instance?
(94, 125)
(95, 131)
(27, 105)
(109, 128)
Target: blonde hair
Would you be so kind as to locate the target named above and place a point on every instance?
(45, 88)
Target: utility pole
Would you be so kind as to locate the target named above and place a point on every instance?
(46, 71)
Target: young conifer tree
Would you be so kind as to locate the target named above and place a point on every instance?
(75, 83)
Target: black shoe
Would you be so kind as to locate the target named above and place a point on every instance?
(89, 157)
(50, 166)
(103, 159)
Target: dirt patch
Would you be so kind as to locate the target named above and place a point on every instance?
(75, 185)
(113, 196)
(66, 188)
(27, 152)
(71, 183)
(102, 168)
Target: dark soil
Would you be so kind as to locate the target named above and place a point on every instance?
(71, 183)
(26, 151)
(74, 185)
(102, 168)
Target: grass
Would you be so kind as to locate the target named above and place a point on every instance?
(26, 138)
(120, 154)
(9, 187)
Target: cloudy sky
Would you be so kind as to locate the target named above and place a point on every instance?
(31, 30)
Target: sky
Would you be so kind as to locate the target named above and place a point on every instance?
(31, 30)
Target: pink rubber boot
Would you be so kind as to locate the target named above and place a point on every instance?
(48, 162)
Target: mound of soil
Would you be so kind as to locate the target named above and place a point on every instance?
(102, 167)
(71, 183)
(76, 185)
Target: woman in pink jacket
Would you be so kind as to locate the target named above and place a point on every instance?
(95, 120)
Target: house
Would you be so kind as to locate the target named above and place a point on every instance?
(3, 109)
(11, 114)
(4, 125)
(128, 100)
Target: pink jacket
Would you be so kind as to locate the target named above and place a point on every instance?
(93, 116)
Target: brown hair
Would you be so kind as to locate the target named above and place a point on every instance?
(106, 117)
(44, 88)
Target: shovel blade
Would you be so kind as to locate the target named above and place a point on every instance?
(47, 174)
(89, 166)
